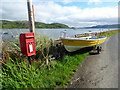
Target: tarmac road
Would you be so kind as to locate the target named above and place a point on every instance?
(100, 70)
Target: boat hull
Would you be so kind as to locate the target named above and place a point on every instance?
(73, 48)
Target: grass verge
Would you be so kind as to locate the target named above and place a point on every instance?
(16, 74)
(108, 33)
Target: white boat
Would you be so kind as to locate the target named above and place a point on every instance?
(72, 44)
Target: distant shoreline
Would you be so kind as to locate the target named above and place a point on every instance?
(5, 24)
(25, 25)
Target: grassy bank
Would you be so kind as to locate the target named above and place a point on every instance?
(17, 74)
(108, 33)
(52, 67)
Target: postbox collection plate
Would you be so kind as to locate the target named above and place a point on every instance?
(31, 48)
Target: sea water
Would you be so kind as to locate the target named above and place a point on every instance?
(12, 34)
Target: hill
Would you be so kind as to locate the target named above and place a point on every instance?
(105, 26)
(25, 25)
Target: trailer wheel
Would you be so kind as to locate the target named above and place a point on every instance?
(99, 49)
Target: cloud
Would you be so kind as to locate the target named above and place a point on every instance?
(75, 16)
(50, 12)
(6, 1)
(14, 10)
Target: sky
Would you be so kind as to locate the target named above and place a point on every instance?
(74, 13)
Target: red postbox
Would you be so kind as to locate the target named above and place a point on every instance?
(27, 44)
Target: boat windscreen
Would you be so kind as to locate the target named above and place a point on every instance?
(102, 37)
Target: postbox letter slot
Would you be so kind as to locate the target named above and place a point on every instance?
(30, 42)
(29, 36)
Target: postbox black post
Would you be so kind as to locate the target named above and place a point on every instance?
(29, 60)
